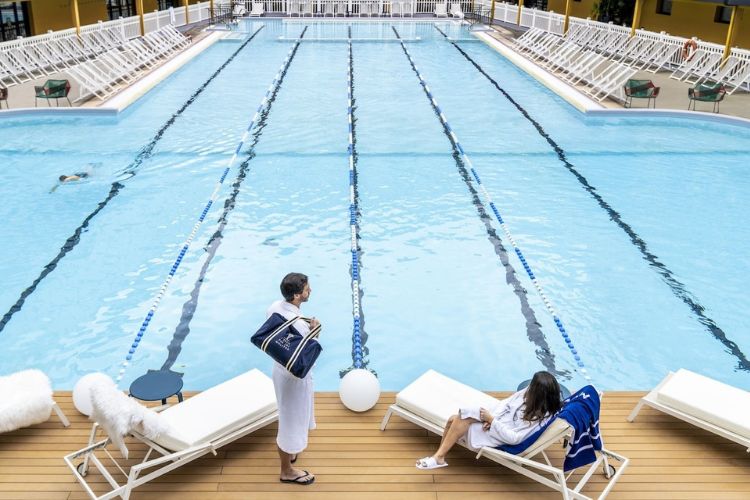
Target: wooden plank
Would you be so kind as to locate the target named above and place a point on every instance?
(352, 458)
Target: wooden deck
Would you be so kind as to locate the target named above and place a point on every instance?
(353, 459)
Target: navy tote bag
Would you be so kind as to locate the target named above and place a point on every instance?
(278, 338)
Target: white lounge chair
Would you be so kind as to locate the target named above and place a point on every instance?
(456, 11)
(441, 10)
(703, 402)
(257, 9)
(431, 399)
(239, 11)
(294, 8)
(26, 400)
(189, 430)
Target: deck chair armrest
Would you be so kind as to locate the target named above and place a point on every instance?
(90, 448)
(171, 457)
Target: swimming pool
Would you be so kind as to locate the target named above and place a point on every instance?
(633, 226)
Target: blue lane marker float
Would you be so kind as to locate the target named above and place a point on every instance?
(357, 351)
(454, 139)
(678, 288)
(202, 217)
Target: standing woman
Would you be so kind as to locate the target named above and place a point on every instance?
(294, 395)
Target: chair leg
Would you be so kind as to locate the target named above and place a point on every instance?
(635, 411)
(61, 415)
(386, 418)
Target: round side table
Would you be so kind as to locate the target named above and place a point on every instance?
(157, 385)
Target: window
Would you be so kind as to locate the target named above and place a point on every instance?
(121, 8)
(15, 20)
(723, 15)
(664, 7)
(165, 4)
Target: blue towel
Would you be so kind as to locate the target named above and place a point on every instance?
(581, 410)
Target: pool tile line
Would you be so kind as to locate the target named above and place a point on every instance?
(678, 288)
(214, 195)
(182, 330)
(533, 328)
(145, 153)
(359, 337)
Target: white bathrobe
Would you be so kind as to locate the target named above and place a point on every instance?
(508, 427)
(294, 395)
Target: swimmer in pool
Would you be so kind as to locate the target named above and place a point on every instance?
(64, 179)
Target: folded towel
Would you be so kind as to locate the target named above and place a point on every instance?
(581, 411)
(119, 415)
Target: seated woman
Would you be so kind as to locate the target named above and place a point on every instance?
(513, 420)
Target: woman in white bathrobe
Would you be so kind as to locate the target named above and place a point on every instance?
(293, 395)
(510, 422)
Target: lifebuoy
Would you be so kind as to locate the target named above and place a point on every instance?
(688, 49)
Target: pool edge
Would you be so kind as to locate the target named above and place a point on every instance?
(589, 107)
(130, 94)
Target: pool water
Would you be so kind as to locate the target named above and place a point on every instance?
(439, 289)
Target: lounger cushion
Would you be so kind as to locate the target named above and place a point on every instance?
(707, 399)
(436, 397)
(218, 410)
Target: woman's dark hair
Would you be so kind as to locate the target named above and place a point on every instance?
(63, 177)
(291, 284)
(542, 398)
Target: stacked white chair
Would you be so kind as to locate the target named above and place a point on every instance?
(122, 61)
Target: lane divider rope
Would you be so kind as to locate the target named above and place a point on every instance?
(182, 330)
(357, 351)
(454, 139)
(201, 218)
(144, 154)
(678, 288)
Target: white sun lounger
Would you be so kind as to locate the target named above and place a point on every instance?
(197, 426)
(257, 9)
(456, 11)
(431, 399)
(441, 10)
(703, 402)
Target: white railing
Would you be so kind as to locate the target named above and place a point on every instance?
(735, 73)
(351, 8)
(130, 26)
(26, 59)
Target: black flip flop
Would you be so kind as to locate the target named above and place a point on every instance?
(303, 480)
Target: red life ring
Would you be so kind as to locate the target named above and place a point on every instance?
(688, 49)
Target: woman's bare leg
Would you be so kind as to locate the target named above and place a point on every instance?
(452, 434)
(450, 421)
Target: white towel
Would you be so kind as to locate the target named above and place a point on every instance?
(25, 399)
(295, 398)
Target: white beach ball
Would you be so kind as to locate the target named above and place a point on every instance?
(82, 392)
(359, 390)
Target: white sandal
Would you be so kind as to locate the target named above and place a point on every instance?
(428, 463)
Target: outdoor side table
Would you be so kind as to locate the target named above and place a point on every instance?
(157, 385)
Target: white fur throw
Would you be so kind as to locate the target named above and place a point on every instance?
(25, 399)
(119, 414)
